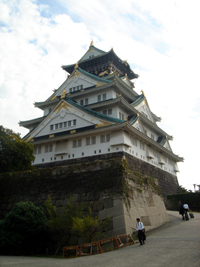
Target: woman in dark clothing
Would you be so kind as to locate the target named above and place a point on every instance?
(182, 212)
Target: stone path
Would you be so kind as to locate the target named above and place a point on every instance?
(175, 244)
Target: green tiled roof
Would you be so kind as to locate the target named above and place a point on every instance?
(162, 140)
(93, 76)
(94, 113)
(133, 119)
(139, 99)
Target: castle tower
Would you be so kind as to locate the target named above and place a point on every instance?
(96, 112)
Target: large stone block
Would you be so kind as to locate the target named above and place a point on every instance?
(111, 212)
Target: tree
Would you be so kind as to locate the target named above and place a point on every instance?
(88, 227)
(23, 230)
(183, 190)
(15, 154)
(60, 224)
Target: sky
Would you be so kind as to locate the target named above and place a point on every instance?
(159, 39)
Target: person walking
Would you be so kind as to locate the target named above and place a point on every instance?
(140, 231)
(182, 212)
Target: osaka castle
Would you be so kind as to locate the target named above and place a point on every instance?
(96, 111)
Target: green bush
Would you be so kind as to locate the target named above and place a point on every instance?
(23, 230)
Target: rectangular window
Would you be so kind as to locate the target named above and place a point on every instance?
(69, 123)
(99, 98)
(81, 86)
(35, 150)
(102, 139)
(120, 115)
(110, 111)
(93, 140)
(74, 88)
(60, 125)
(105, 112)
(77, 87)
(81, 102)
(79, 142)
(65, 124)
(74, 143)
(50, 110)
(86, 101)
(39, 150)
(70, 90)
(87, 141)
(56, 126)
(51, 127)
(108, 138)
(50, 148)
(152, 136)
(104, 96)
(46, 149)
(74, 122)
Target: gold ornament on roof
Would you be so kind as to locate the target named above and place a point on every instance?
(143, 92)
(92, 43)
(76, 66)
(63, 94)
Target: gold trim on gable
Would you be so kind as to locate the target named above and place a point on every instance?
(99, 84)
(73, 131)
(102, 124)
(51, 135)
(54, 97)
(62, 105)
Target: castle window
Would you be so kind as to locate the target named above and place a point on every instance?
(86, 101)
(54, 158)
(74, 122)
(108, 149)
(60, 125)
(35, 150)
(87, 141)
(102, 138)
(108, 138)
(99, 98)
(99, 151)
(105, 112)
(81, 86)
(79, 142)
(110, 111)
(50, 148)
(82, 153)
(81, 102)
(74, 143)
(74, 89)
(120, 115)
(68, 156)
(104, 96)
(70, 90)
(65, 124)
(46, 149)
(95, 152)
(69, 123)
(51, 127)
(152, 136)
(93, 140)
(61, 157)
(77, 87)
(42, 160)
(39, 150)
(56, 126)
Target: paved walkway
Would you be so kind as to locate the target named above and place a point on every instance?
(175, 244)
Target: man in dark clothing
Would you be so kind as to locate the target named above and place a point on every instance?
(140, 231)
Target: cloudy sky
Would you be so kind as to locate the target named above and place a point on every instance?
(160, 40)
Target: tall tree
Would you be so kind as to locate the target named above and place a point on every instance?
(15, 154)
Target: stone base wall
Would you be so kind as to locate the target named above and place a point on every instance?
(90, 185)
(167, 181)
